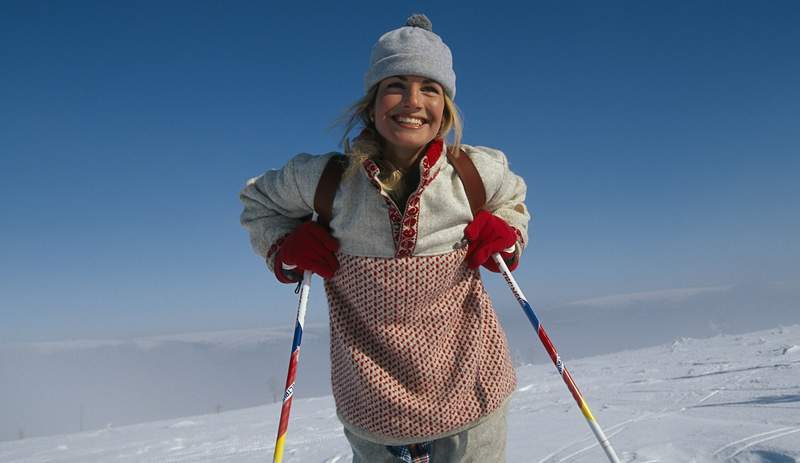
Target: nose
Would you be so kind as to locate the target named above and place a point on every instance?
(412, 96)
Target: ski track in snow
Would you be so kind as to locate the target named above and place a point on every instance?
(731, 379)
(612, 431)
(770, 435)
(731, 399)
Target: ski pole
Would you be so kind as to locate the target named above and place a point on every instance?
(283, 424)
(551, 350)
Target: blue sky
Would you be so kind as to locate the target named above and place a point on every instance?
(659, 142)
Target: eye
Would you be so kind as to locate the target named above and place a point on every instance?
(430, 89)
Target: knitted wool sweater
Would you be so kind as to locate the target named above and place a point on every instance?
(416, 350)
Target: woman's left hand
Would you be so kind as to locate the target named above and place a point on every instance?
(488, 234)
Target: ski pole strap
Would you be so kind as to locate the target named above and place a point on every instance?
(326, 188)
(470, 178)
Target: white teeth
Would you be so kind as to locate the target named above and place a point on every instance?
(409, 120)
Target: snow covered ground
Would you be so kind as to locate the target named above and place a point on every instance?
(733, 398)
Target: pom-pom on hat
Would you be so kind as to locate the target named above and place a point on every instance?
(412, 50)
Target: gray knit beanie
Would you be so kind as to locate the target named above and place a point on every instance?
(412, 50)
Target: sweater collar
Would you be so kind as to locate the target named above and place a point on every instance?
(430, 163)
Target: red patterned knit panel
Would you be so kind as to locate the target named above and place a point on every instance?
(416, 348)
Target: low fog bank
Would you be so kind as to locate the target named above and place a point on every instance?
(63, 387)
(55, 388)
(624, 322)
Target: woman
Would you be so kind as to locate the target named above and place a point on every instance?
(420, 366)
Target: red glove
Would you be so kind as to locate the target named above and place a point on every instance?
(310, 247)
(488, 234)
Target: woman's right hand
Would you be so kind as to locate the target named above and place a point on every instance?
(309, 247)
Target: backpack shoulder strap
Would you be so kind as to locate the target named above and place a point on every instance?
(334, 169)
(326, 188)
(473, 185)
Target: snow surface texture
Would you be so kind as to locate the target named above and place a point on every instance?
(732, 398)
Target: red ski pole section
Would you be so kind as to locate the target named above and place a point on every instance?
(290, 376)
(548, 345)
(550, 348)
(284, 424)
(573, 388)
(287, 396)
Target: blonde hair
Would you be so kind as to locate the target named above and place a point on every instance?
(368, 144)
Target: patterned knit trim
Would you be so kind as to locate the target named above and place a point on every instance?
(404, 225)
(395, 217)
(408, 235)
(277, 244)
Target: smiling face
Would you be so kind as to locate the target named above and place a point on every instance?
(408, 114)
